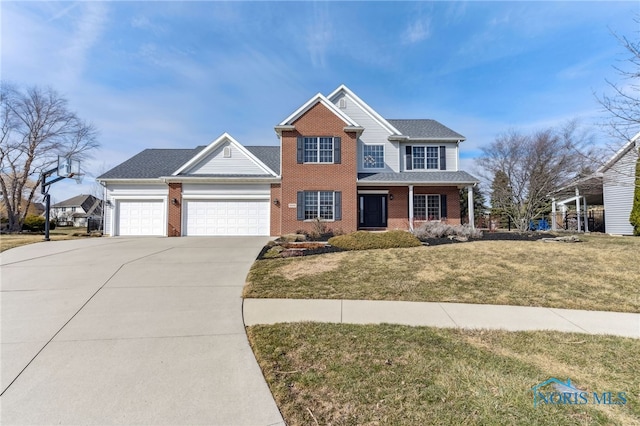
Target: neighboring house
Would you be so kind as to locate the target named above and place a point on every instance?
(338, 161)
(76, 210)
(618, 183)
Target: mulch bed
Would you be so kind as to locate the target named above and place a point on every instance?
(486, 236)
(492, 236)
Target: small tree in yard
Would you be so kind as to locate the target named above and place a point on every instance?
(525, 169)
(36, 126)
(634, 218)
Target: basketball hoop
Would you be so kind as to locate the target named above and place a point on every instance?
(68, 167)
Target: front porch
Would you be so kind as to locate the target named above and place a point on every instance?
(407, 206)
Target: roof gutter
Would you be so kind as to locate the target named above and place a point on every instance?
(213, 179)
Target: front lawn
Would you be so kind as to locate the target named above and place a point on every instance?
(9, 241)
(343, 374)
(600, 273)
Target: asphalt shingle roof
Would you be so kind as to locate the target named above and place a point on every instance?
(151, 164)
(424, 129)
(269, 155)
(154, 163)
(419, 177)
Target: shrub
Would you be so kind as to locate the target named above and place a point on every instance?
(363, 240)
(440, 230)
(33, 223)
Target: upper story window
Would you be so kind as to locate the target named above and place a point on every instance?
(73, 209)
(420, 157)
(319, 149)
(373, 156)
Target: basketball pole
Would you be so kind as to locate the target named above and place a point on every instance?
(47, 198)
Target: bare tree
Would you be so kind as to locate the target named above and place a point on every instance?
(622, 106)
(36, 127)
(530, 167)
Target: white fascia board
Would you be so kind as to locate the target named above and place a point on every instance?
(410, 139)
(634, 141)
(366, 108)
(225, 137)
(131, 180)
(318, 98)
(220, 179)
(398, 183)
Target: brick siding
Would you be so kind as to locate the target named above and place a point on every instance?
(175, 210)
(318, 121)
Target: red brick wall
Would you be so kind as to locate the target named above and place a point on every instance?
(453, 200)
(276, 210)
(319, 121)
(175, 210)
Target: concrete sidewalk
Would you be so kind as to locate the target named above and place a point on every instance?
(511, 318)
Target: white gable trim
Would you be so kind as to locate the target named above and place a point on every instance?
(225, 137)
(319, 98)
(635, 141)
(365, 107)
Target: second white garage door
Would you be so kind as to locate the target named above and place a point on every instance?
(226, 217)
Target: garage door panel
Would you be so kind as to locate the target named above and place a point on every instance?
(227, 217)
(141, 217)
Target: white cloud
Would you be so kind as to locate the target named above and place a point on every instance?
(86, 33)
(319, 36)
(417, 31)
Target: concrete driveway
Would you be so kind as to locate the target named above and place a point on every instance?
(130, 331)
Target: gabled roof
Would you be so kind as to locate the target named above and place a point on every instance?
(151, 164)
(364, 106)
(425, 129)
(225, 137)
(269, 155)
(156, 163)
(83, 200)
(633, 142)
(319, 98)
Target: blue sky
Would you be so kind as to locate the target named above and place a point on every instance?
(179, 74)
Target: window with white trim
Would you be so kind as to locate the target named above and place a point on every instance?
(373, 156)
(423, 157)
(426, 207)
(318, 150)
(319, 204)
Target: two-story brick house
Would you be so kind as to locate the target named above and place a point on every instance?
(338, 161)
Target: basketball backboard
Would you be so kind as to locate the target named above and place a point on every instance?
(68, 167)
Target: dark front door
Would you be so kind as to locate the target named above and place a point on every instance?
(373, 211)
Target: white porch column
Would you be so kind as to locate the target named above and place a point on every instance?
(411, 207)
(586, 215)
(578, 209)
(470, 207)
(554, 224)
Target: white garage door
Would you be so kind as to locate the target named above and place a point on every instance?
(227, 217)
(141, 218)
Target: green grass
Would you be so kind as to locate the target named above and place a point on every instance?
(601, 273)
(343, 374)
(9, 241)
